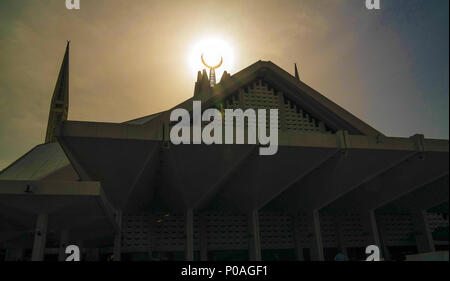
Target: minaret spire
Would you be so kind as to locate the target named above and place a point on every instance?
(296, 72)
(59, 107)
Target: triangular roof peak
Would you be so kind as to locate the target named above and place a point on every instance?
(317, 105)
(311, 100)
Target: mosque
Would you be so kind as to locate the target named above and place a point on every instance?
(124, 191)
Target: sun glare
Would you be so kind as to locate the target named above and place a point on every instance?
(212, 49)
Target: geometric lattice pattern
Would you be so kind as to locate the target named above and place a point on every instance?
(435, 221)
(298, 120)
(169, 232)
(135, 232)
(260, 95)
(397, 229)
(226, 231)
(328, 230)
(352, 230)
(276, 231)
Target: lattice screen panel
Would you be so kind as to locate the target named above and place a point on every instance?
(304, 230)
(397, 229)
(298, 120)
(352, 230)
(276, 231)
(227, 231)
(230, 231)
(135, 235)
(435, 221)
(258, 96)
(261, 96)
(328, 230)
(168, 232)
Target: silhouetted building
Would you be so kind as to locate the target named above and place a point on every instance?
(124, 191)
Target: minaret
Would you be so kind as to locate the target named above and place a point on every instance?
(59, 108)
(296, 72)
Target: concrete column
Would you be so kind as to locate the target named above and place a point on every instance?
(373, 232)
(317, 244)
(14, 254)
(203, 238)
(254, 236)
(384, 248)
(151, 235)
(189, 254)
(118, 237)
(370, 228)
(339, 220)
(63, 243)
(40, 235)
(297, 238)
(424, 238)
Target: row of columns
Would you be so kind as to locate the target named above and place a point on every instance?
(254, 239)
(253, 230)
(40, 239)
(374, 233)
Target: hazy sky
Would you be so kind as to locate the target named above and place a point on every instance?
(129, 58)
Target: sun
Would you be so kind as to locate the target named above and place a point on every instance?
(213, 49)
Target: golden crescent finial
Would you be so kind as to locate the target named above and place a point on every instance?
(212, 67)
